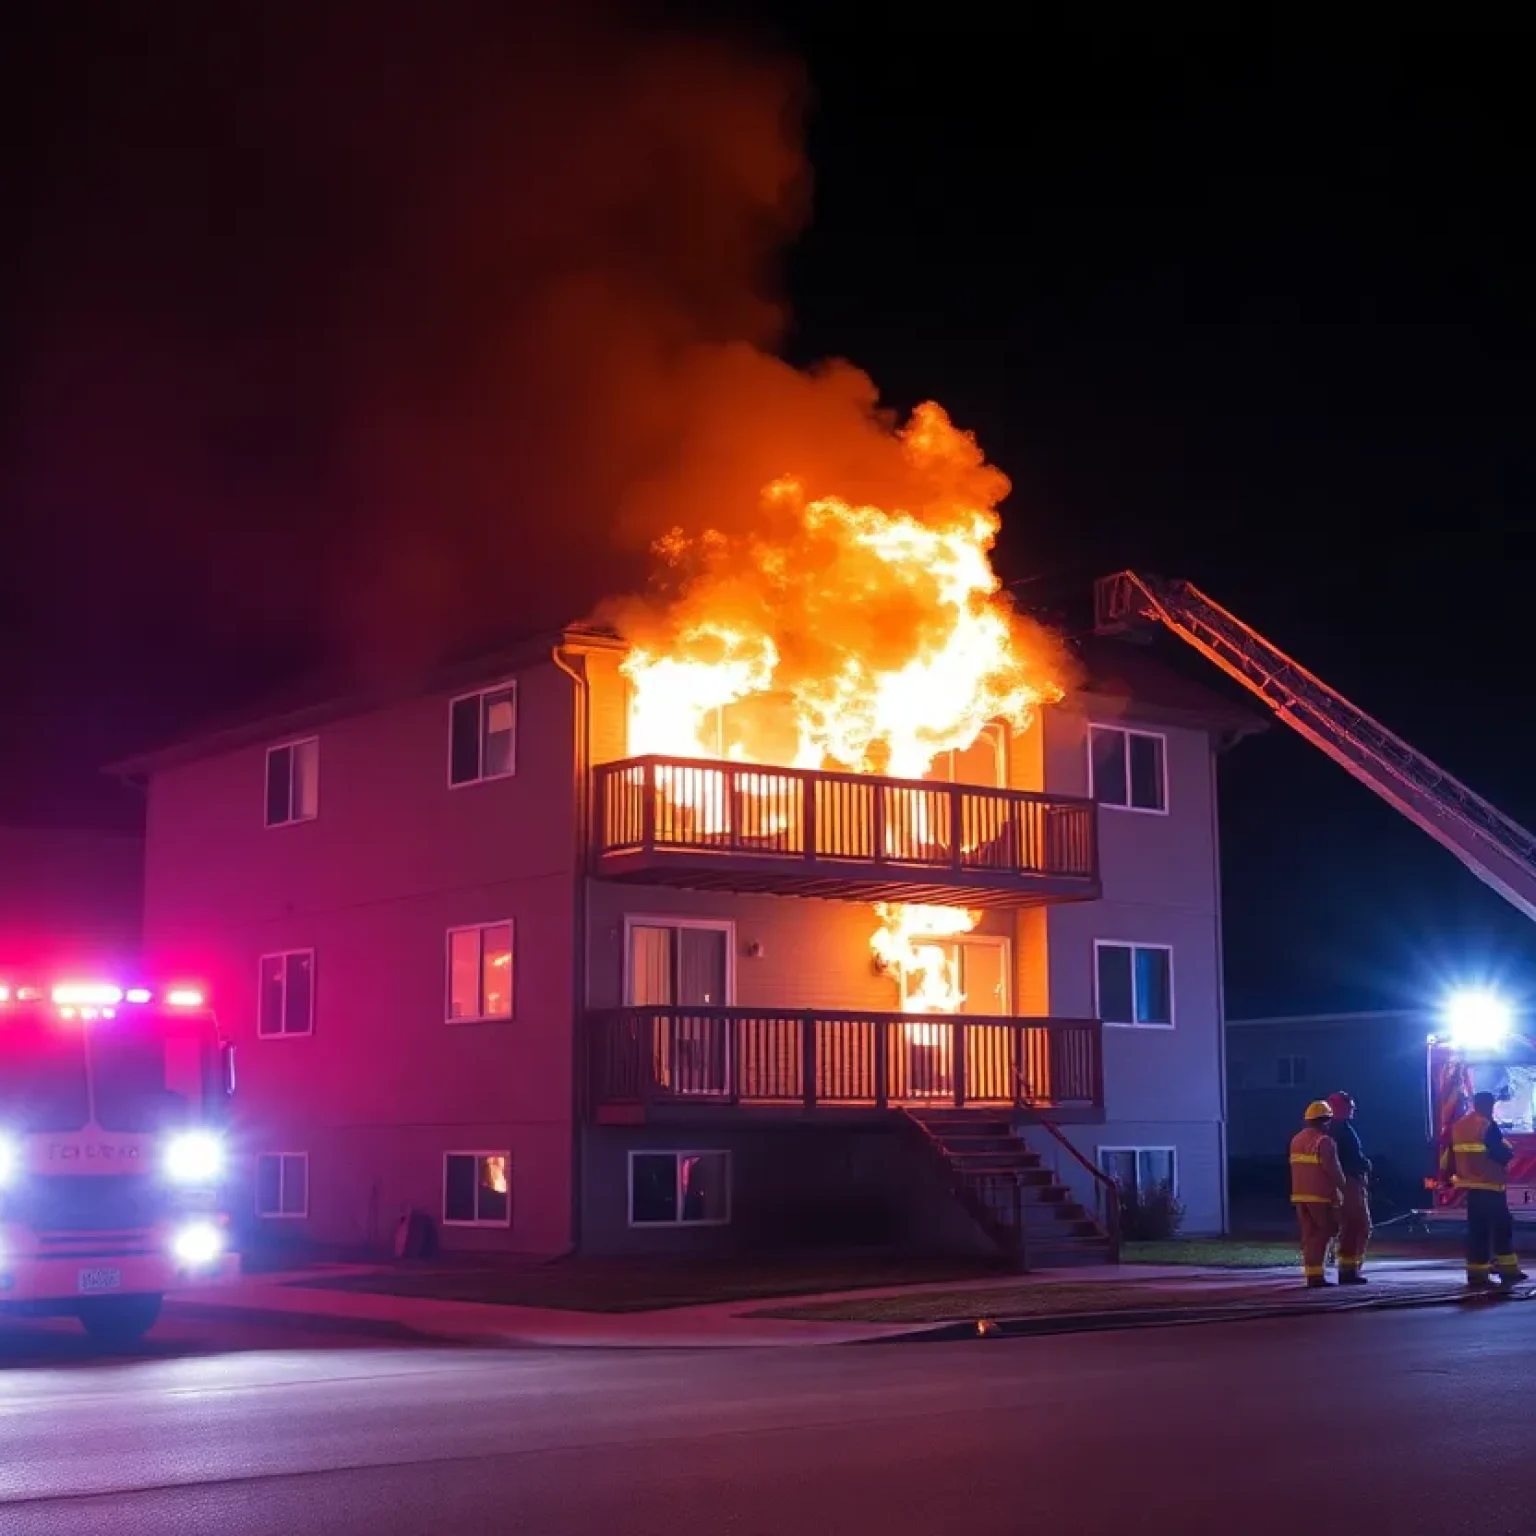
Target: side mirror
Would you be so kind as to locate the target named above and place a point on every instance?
(227, 1062)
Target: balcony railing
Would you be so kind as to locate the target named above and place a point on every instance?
(742, 827)
(641, 1058)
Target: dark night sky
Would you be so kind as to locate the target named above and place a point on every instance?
(1220, 309)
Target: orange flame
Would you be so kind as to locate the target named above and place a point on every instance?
(864, 639)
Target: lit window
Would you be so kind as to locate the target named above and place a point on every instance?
(983, 764)
(679, 1189)
(482, 736)
(1141, 1170)
(287, 1002)
(282, 1184)
(293, 782)
(477, 1189)
(1134, 983)
(1127, 769)
(480, 972)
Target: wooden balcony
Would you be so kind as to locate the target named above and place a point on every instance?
(681, 1063)
(853, 837)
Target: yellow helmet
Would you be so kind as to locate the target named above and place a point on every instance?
(1319, 1109)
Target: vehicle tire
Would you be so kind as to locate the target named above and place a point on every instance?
(118, 1322)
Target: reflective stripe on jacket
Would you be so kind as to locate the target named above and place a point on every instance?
(1470, 1165)
(1316, 1178)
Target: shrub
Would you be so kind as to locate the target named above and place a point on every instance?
(1150, 1215)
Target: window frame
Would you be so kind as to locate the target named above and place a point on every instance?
(509, 685)
(449, 1017)
(1133, 945)
(998, 941)
(998, 730)
(1125, 732)
(1291, 1061)
(1136, 1151)
(725, 925)
(498, 1225)
(266, 782)
(285, 955)
(280, 1214)
(676, 1154)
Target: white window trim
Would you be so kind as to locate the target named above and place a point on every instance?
(517, 713)
(280, 1215)
(1173, 995)
(725, 925)
(266, 779)
(449, 1016)
(998, 731)
(284, 955)
(674, 1153)
(1127, 731)
(998, 941)
(478, 1221)
(1173, 1160)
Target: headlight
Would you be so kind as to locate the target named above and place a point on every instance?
(199, 1242)
(194, 1157)
(10, 1161)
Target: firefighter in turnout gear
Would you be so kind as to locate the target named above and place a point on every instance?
(1317, 1190)
(1355, 1214)
(1476, 1161)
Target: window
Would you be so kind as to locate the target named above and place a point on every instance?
(1127, 768)
(480, 972)
(1291, 1071)
(482, 736)
(983, 764)
(1134, 983)
(282, 1184)
(293, 782)
(976, 968)
(287, 1004)
(679, 1189)
(1141, 1169)
(477, 1189)
(677, 963)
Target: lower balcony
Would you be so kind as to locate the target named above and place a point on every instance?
(853, 837)
(681, 1063)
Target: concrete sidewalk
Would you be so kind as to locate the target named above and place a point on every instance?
(742, 1324)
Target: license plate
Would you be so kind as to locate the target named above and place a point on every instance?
(101, 1280)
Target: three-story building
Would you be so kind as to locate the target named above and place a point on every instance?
(483, 965)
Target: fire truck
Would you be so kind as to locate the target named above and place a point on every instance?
(113, 1109)
(1478, 1046)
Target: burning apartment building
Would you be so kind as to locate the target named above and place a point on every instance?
(815, 898)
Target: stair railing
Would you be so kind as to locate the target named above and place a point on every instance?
(969, 1196)
(1106, 1192)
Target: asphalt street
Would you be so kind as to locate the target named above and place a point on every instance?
(1411, 1422)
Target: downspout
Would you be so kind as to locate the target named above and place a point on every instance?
(1224, 1175)
(581, 744)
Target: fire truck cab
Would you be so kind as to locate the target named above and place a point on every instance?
(113, 1111)
(1480, 1051)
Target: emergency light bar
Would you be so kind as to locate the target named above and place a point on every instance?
(88, 996)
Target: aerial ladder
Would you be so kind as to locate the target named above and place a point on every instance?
(1500, 852)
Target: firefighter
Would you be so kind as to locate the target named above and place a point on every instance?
(1317, 1190)
(1355, 1214)
(1476, 1161)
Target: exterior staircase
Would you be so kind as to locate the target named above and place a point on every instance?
(1010, 1193)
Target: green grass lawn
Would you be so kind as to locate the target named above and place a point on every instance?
(630, 1285)
(1264, 1253)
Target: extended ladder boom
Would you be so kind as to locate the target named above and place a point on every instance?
(1497, 850)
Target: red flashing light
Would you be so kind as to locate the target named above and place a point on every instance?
(137, 995)
(184, 997)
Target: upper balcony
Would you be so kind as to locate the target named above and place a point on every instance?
(853, 837)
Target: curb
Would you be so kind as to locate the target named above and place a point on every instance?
(1175, 1317)
(321, 1322)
